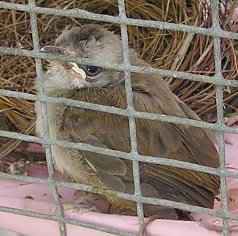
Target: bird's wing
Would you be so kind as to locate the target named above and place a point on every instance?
(159, 99)
(179, 142)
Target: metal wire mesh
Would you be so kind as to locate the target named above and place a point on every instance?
(215, 31)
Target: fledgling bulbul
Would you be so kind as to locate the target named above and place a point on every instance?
(151, 94)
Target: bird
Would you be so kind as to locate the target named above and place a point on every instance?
(151, 94)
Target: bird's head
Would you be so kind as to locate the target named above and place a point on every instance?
(92, 42)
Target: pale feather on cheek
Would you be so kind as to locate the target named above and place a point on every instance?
(60, 77)
(78, 76)
(78, 83)
(78, 70)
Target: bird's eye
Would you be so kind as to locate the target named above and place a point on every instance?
(92, 70)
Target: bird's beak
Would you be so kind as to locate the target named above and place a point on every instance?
(52, 49)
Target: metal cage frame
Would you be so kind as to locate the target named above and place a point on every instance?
(215, 31)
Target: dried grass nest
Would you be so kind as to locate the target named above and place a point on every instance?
(163, 49)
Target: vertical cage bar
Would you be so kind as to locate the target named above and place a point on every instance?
(130, 108)
(220, 113)
(48, 151)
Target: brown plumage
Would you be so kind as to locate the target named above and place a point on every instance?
(150, 94)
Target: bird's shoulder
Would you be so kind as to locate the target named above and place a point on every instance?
(188, 143)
